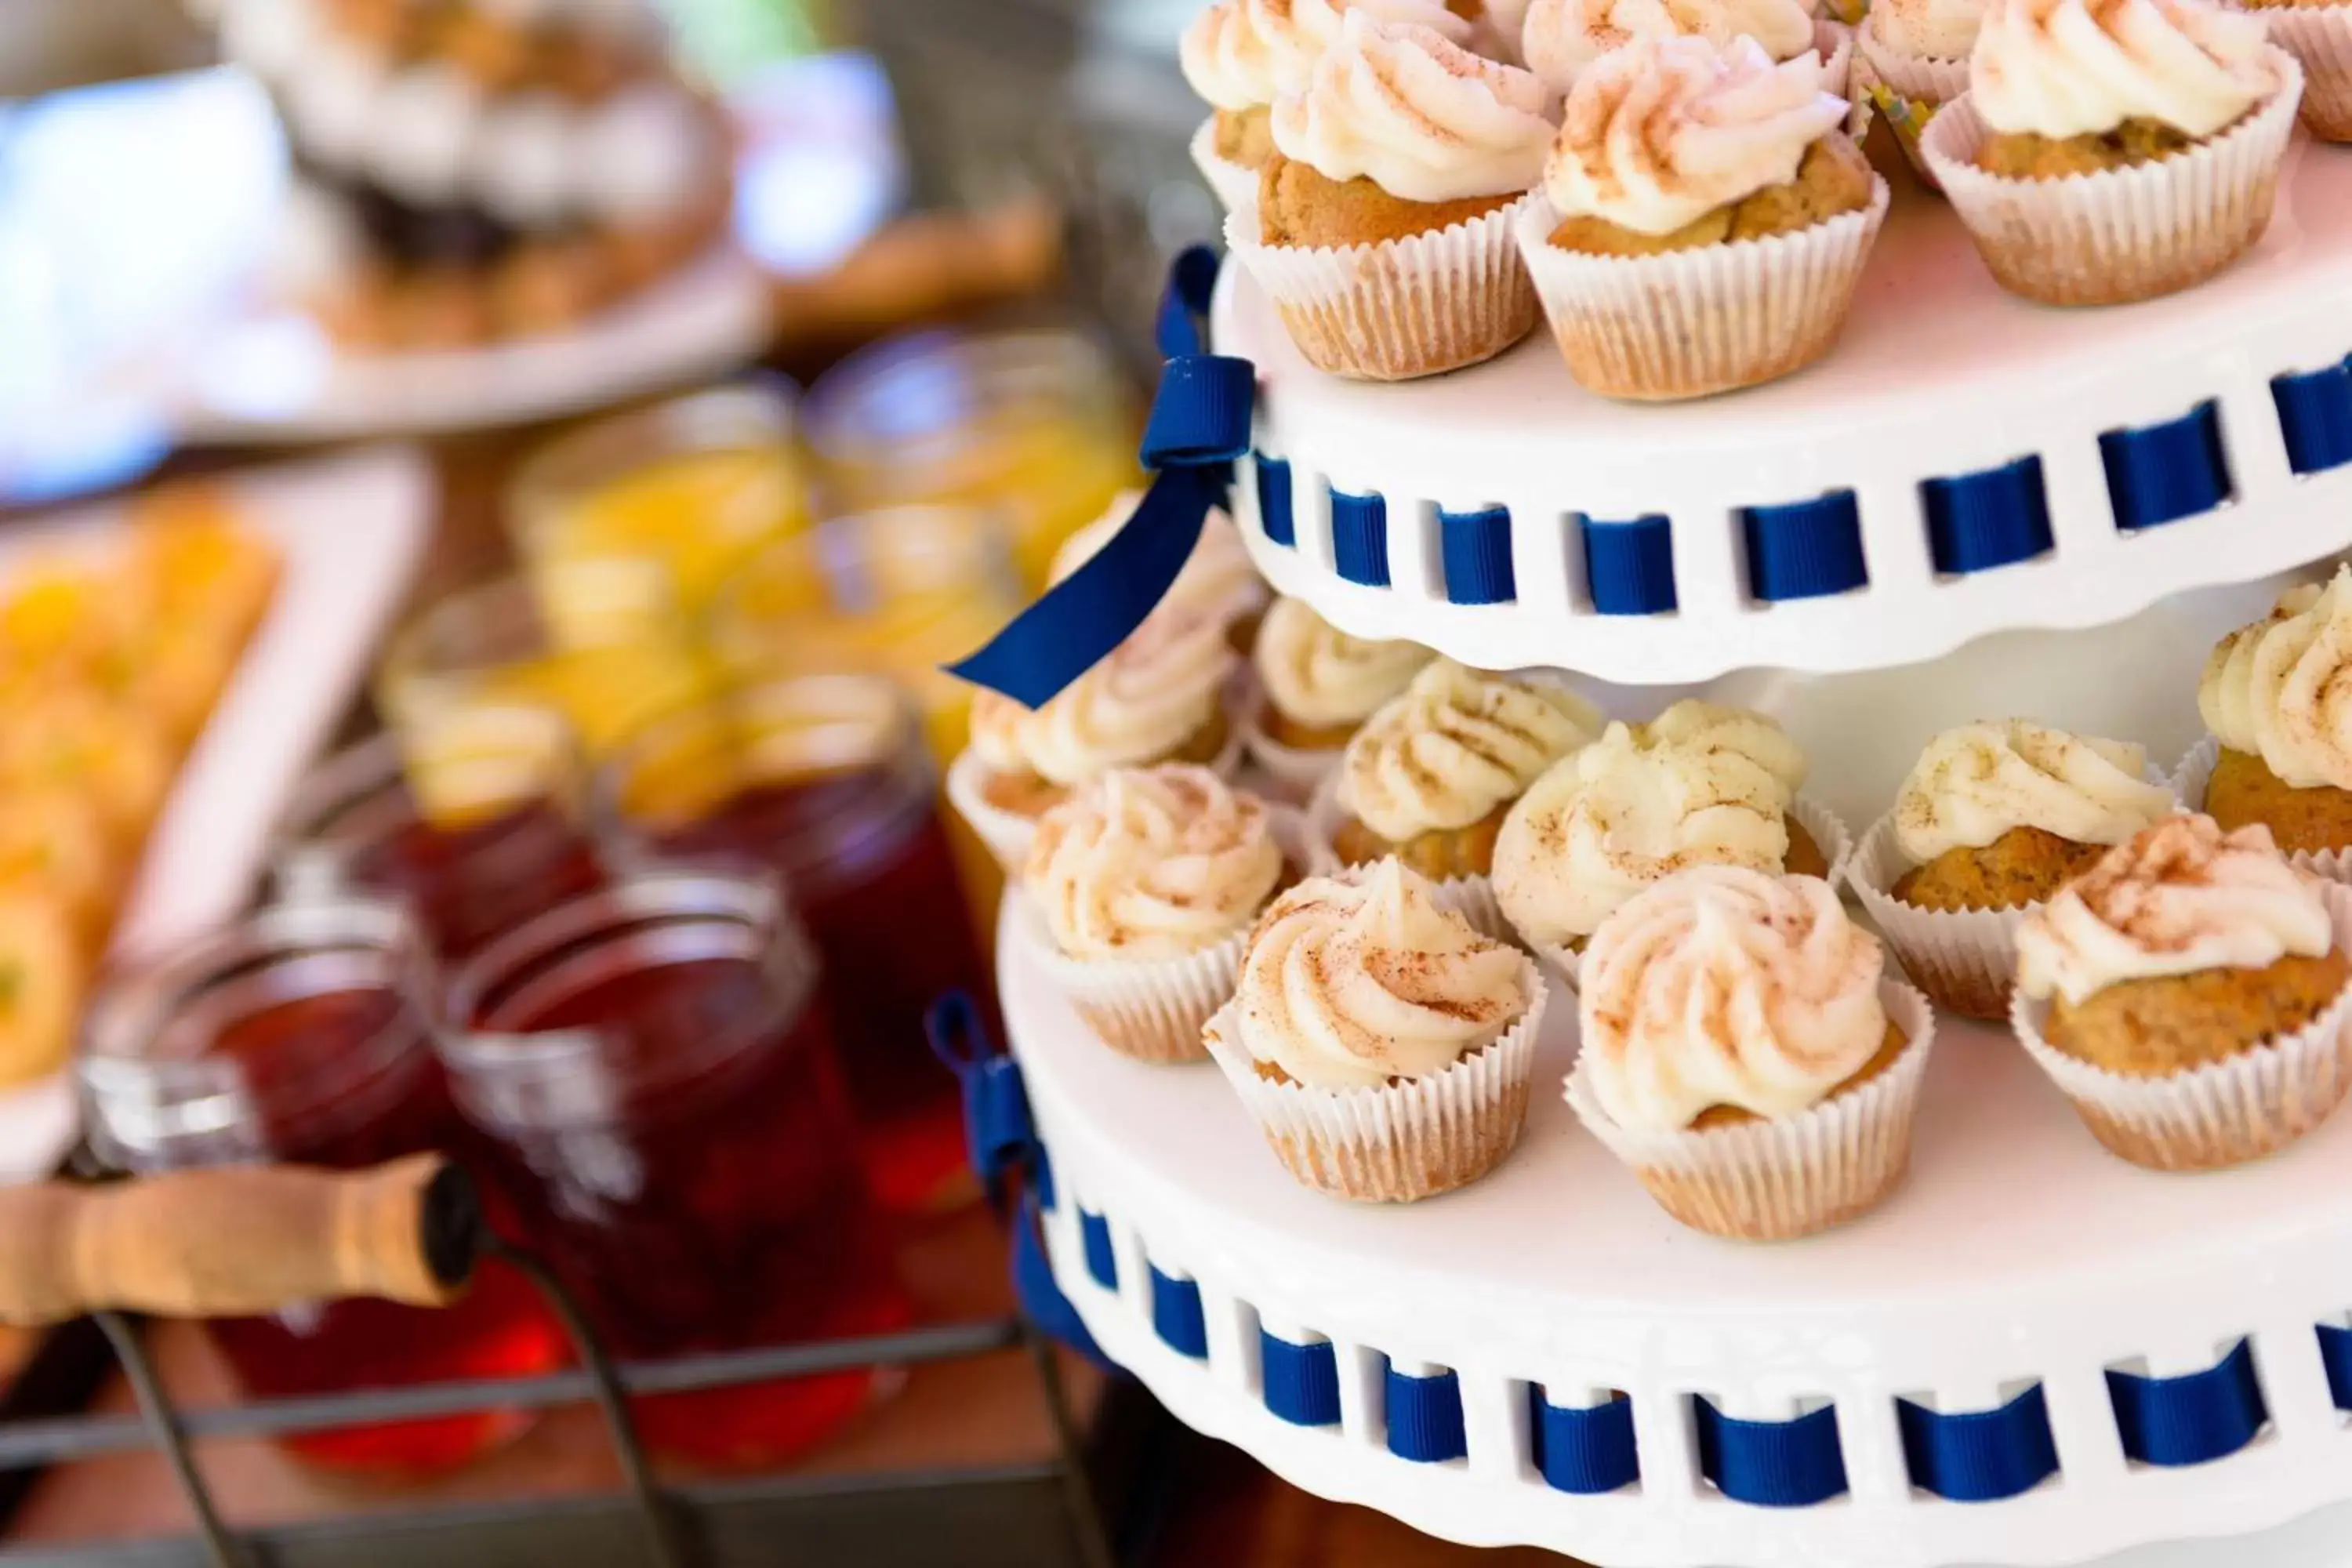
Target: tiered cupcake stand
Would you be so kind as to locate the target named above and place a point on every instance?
(2034, 1354)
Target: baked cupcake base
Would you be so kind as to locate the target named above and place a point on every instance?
(2126, 234)
(1294, 770)
(1773, 1181)
(1407, 1140)
(2249, 1105)
(2192, 781)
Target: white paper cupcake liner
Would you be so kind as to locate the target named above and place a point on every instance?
(2321, 37)
(1690, 323)
(1964, 960)
(1401, 308)
(1400, 1141)
(1771, 1181)
(2196, 771)
(2126, 234)
(1834, 42)
(1235, 185)
(2224, 1113)
(1830, 835)
(1906, 89)
(1292, 771)
(1471, 897)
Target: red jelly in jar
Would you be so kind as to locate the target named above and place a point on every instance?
(302, 1036)
(492, 843)
(657, 1087)
(825, 780)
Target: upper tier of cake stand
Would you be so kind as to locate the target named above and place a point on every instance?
(1962, 462)
(2016, 1255)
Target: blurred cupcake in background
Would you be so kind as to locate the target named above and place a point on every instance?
(1560, 38)
(1381, 229)
(1317, 686)
(1912, 59)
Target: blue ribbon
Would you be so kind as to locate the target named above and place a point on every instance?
(1200, 423)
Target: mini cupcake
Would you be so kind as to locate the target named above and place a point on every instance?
(1381, 1045)
(1745, 1055)
(1143, 885)
(1913, 59)
(1703, 222)
(1159, 696)
(2188, 994)
(1318, 685)
(1560, 38)
(1218, 576)
(2318, 33)
(2281, 749)
(1429, 777)
(1381, 229)
(2112, 152)
(1994, 819)
(1240, 54)
(1699, 785)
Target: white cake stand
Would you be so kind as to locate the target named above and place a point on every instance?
(1823, 537)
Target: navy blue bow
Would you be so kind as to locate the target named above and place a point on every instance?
(1200, 423)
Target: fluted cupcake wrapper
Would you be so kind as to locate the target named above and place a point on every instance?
(1008, 834)
(1153, 1009)
(1687, 323)
(1833, 41)
(1830, 835)
(1402, 1140)
(1235, 185)
(1906, 89)
(1771, 1181)
(1292, 771)
(2225, 1113)
(2321, 37)
(2196, 772)
(1471, 897)
(2119, 235)
(1401, 308)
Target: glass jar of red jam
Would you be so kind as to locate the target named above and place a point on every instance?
(826, 781)
(657, 1087)
(472, 844)
(302, 1036)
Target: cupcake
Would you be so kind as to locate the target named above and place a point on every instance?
(2115, 151)
(1142, 886)
(1381, 229)
(1699, 785)
(1994, 819)
(2188, 993)
(1745, 1055)
(2318, 34)
(1913, 58)
(1240, 55)
(1702, 221)
(1159, 696)
(1218, 576)
(1317, 686)
(1560, 38)
(1431, 776)
(1381, 1045)
(2281, 749)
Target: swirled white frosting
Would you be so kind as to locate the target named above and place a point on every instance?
(2176, 898)
(1980, 781)
(1142, 703)
(2078, 68)
(1418, 115)
(1619, 817)
(1456, 744)
(1664, 131)
(1217, 576)
(1151, 863)
(1318, 674)
(1723, 985)
(1711, 727)
(2281, 690)
(1243, 53)
(1348, 983)
(1561, 37)
(1940, 29)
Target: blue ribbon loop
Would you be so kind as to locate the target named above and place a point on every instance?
(1200, 423)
